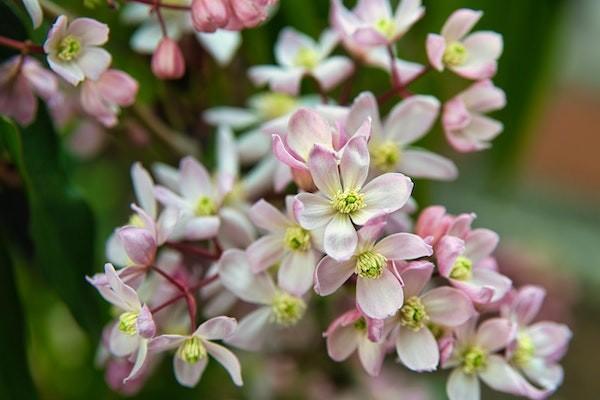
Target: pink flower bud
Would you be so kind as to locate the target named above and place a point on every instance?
(210, 15)
(167, 61)
(249, 13)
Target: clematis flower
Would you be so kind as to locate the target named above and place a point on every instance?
(287, 244)
(135, 326)
(344, 199)
(465, 126)
(379, 291)
(221, 44)
(474, 357)
(463, 262)
(72, 49)
(352, 331)
(371, 22)
(193, 350)
(21, 79)
(474, 56)
(35, 12)
(103, 98)
(299, 55)
(277, 307)
(167, 60)
(538, 346)
(424, 310)
(390, 142)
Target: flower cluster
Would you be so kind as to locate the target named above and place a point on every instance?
(313, 198)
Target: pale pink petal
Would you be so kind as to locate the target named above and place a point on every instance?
(480, 243)
(332, 71)
(461, 386)
(550, 339)
(94, 61)
(313, 210)
(526, 304)
(483, 49)
(305, 129)
(460, 23)
(384, 195)
(56, 34)
(340, 237)
(371, 356)
(324, 170)
(166, 224)
(456, 116)
(447, 306)
(415, 276)
(139, 243)
(379, 298)
(89, 31)
(407, 13)
(227, 359)
(165, 342)
(289, 42)
(188, 374)
(252, 330)
(330, 275)
(227, 157)
(168, 198)
(145, 325)
(295, 274)
(446, 252)
(364, 107)
(139, 361)
(144, 188)
(418, 350)
(194, 180)
(283, 155)
(502, 377)
(202, 228)
(265, 252)
(354, 165)
(125, 293)
(236, 276)
(403, 246)
(371, 231)
(424, 164)
(236, 230)
(495, 334)
(121, 344)
(411, 119)
(342, 342)
(476, 135)
(483, 97)
(71, 72)
(460, 226)
(372, 10)
(482, 281)
(266, 216)
(436, 46)
(217, 328)
(543, 373)
(35, 12)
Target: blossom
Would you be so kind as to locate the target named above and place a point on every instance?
(191, 356)
(299, 55)
(538, 346)
(344, 198)
(379, 291)
(135, 325)
(353, 331)
(277, 307)
(287, 244)
(35, 12)
(167, 60)
(474, 357)
(474, 56)
(465, 126)
(372, 23)
(21, 79)
(210, 15)
(390, 142)
(102, 98)
(72, 49)
(422, 311)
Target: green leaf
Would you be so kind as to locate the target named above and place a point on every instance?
(15, 381)
(61, 224)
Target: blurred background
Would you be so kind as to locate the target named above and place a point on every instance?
(539, 187)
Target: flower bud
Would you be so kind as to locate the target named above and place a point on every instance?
(167, 61)
(250, 13)
(210, 15)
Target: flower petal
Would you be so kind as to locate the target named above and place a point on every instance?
(342, 342)
(496, 333)
(295, 275)
(403, 246)
(424, 164)
(418, 350)
(371, 356)
(379, 298)
(340, 238)
(227, 359)
(312, 210)
(447, 306)
(384, 195)
(324, 171)
(236, 276)
(459, 23)
(354, 165)
(305, 129)
(550, 339)
(89, 31)
(331, 71)
(194, 180)
(188, 374)
(265, 252)
(330, 274)
(500, 376)
(94, 61)
(435, 46)
(415, 276)
(202, 228)
(411, 119)
(266, 216)
(139, 244)
(252, 330)
(461, 386)
(217, 328)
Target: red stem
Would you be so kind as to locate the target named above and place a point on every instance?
(195, 251)
(159, 4)
(24, 46)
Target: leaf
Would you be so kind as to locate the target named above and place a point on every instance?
(15, 380)
(61, 223)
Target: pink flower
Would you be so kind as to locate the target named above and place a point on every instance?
(135, 325)
(538, 346)
(167, 60)
(191, 357)
(35, 12)
(434, 223)
(353, 331)
(378, 288)
(416, 345)
(287, 244)
(344, 199)
(248, 13)
(474, 357)
(21, 79)
(390, 142)
(72, 49)
(210, 15)
(465, 126)
(463, 262)
(299, 55)
(474, 56)
(372, 23)
(103, 98)
(277, 307)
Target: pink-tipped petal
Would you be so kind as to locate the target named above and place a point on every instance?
(480, 243)
(411, 119)
(237, 277)
(354, 165)
(266, 216)
(495, 334)
(384, 195)
(89, 31)
(139, 243)
(194, 179)
(500, 376)
(447, 306)
(265, 252)
(330, 275)
(324, 170)
(403, 246)
(332, 71)
(415, 276)
(227, 359)
(435, 46)
(307, 128)
(446, 252)
(312, 210)
(381, 297)
(217, 328)
(459, 23)
(550, 339)
(424, 164)
(252, 330)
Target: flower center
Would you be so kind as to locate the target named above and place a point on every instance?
(297, 239)
(525, 349)
(370, 264)
(385, 155)
(205, 206)
(136, 220)
(287, 309)
(307, 58)
(192, 350)
(273, 105)
(413, 314)
(386, 26)
(128, 323)
(360, 324)
(348, 202)
(455, 54)
(69, 48)
(462, 269)
(473, 360)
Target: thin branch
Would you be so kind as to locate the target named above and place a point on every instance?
(195, 250)
(25, 46)
(160, 4)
